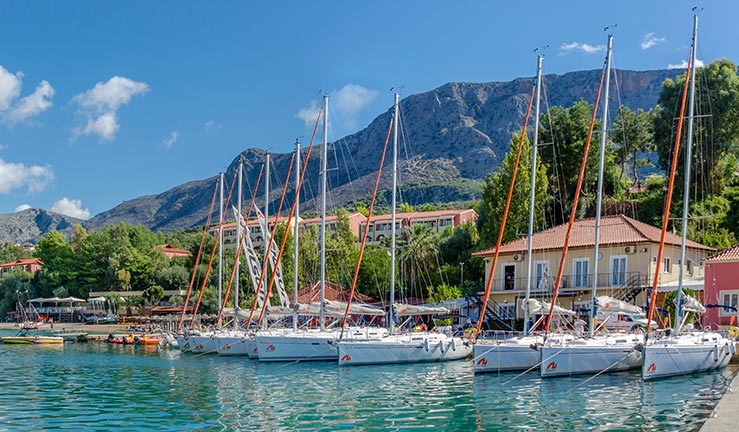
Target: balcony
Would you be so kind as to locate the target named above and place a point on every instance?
(627, 280)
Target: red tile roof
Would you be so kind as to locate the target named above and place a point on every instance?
(22, 262)
(614, 230)
(730, 254)
(168, 248)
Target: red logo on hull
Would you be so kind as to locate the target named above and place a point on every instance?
(552, 365)
(346, 357)
(652, 368)
(482, 362)
(270, 348)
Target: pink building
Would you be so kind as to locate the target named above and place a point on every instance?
(721, 287)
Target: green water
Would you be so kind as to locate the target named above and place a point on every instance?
(103, 387)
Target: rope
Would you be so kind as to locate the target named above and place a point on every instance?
(366, 231)
(489, 284)
(573, 212)
(197, 259)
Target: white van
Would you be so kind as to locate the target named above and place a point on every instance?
(624, 322)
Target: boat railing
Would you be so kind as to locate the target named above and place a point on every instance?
(498, 334)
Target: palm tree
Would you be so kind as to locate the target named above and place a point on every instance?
(418, 251)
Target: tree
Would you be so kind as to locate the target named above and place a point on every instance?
(634, 133)
(716, 125)
(495, 193)
(419, 252)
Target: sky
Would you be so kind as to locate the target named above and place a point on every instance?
(102, 102)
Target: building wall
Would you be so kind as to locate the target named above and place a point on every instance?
(722, 279)
(577, 291)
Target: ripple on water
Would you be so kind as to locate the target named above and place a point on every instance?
(102, 387)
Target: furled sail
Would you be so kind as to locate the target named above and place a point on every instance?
(611, 305)
(252, 261)
(537, 307)
(402, 309)
(273, 252)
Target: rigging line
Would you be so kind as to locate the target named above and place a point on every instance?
(668, 199)
(501, 231)
(573, 212)
(268, 246)
(599, 373)
(197, 259)
(244, 233)
(289, 217)
(366, 232)
(210, 262)
(557, 166)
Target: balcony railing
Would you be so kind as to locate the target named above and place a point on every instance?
(571, 282)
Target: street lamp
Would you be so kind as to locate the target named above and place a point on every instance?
(461, 274)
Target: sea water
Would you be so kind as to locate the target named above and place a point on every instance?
(96, 386)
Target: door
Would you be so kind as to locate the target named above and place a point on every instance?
(509, 277)
(580, 272)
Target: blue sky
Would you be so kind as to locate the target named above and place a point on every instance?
(102, 102)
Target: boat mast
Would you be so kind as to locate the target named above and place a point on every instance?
(599, 191)
(686, 190)
(295, 234)
(266, 222)
(324, 157)
(392, 218)
(529, 245)
(220, 252)
(238, 236)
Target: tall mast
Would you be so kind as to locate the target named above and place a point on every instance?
(295, 234)
(220, 251)
(392, 219)
(599, 192)
(323, 209)
(686, 190)
(532, 196)
(266, 222)
(238, 236)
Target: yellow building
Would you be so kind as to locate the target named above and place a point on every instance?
(626, 265)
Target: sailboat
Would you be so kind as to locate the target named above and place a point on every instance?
(518, 353)
(595, 353)
(679, 352)
(409, 347)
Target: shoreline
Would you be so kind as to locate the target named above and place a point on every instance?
(92, 329)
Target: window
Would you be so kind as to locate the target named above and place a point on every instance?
(580, 269)
(618, 270)
(507, 311)
(690, 267)
(729, 298)
(666, 265)
(541, 275)
(446, 222)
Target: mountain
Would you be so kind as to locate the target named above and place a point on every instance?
(453, 137)
(32, 224)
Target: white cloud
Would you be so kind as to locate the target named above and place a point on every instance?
(31, 105)
(567, 48)
(684, 64)
(22, 207)
(212, 125)
(347, 102)
(71, 207)
(35, 103)
(649, 40)
(170, 140)
(309, 114)
(34, 178)
(100, 105)
(10, 87)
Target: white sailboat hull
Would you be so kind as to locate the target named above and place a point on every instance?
(685, 354)
(406, 348)
(233, 345)
(590, 356)
(301, 346)
(506, 355)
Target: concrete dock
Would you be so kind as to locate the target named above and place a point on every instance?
(725, 417)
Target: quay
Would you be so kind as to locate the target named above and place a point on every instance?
(723, 418)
